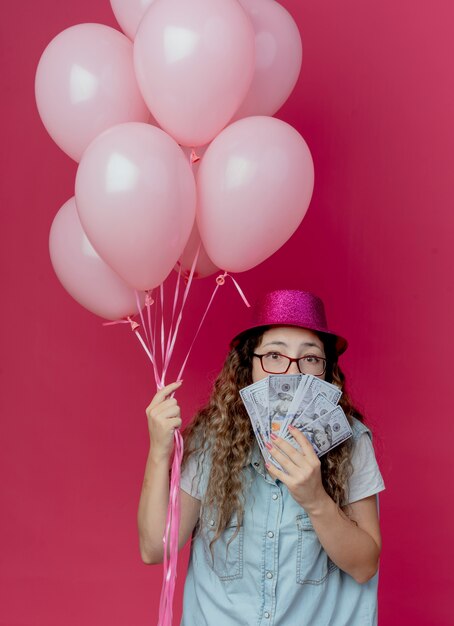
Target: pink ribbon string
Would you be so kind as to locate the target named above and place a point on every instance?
(180, 373)
(153, 333)
(139, 309)
(170, 539)
(161, 294)
(128, 320)
(174, 308)
(152, 329)
(220, 280)
(134, 327)
(180, 315)
(149, 349)
(148, 303)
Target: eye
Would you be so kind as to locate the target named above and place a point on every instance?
(273, 356)
(311, 358)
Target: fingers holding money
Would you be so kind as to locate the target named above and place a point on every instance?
(301, 470)
(306, 447)
(285, 452)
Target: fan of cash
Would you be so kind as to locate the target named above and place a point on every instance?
(300, 400)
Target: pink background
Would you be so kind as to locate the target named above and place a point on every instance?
(374, 102)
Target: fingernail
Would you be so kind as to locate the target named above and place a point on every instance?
(268, 445)
(179, 381)
(273, 436)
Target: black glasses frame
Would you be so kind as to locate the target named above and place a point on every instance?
(291, 360)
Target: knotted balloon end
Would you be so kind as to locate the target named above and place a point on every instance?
(194, 157)
(134, 324)
(128, 320)
(148, 299)
(220, 280)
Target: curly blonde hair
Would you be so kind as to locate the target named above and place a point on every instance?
(223, 429)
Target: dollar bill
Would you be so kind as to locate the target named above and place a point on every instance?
(256, 400)
(317, 386)
(319, 406)
(308, 390)
(305, 401)
(248, 400)
(282, 390)
(297, 405)
(327, 431)
(259, 393)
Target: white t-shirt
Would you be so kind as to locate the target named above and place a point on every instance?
(366, 479)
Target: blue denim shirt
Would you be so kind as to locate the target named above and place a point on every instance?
(275, 571)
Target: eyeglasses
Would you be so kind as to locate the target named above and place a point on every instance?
(277, 363)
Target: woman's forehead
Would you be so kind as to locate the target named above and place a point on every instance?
(290, 335)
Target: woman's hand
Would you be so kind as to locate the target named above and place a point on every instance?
(163, 415)
(303, 478)
(354, 546)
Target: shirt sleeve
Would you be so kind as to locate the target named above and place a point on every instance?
(366, 479)
(189, 480)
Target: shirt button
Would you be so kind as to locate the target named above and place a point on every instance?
(270, 534)
(256, 464)
(269, 574)
(266, 614)
(275, 496)
(212, 522)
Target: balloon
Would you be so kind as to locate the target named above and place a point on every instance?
(204, 266)
(194, 63)
(129, 13)
(254, 186)
(85, 83)
(135, 194)
(194, 156)
(83, 273)
(278, 56)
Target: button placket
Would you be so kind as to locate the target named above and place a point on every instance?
(270, 563)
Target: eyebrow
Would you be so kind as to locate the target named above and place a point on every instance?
(309, 344)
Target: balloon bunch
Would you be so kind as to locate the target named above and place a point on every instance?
(181, 164)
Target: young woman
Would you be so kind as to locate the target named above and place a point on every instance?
(298, 547)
